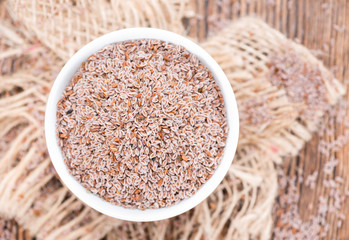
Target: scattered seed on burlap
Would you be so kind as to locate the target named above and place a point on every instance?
(142, 124)
(303, 81)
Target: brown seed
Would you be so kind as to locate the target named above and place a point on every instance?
(100, 190)
(37, 212)
(137, 191)
(59, 102)
(160, 182)
(208, 153)
(76, 78)
(94, 129)
(113, 148)
(184, 158)
(63, 135)
(279, 212)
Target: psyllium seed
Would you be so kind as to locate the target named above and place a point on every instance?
(148, 127)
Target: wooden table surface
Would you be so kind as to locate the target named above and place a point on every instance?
(318, 24)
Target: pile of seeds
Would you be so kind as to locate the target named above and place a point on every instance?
(142, 124)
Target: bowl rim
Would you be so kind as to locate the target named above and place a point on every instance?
(65, 76)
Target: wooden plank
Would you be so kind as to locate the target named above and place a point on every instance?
(20, 233)
(211, 16)
(340, 58)
(27, 236)
(201, 19)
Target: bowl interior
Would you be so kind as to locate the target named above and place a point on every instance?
(94, 201)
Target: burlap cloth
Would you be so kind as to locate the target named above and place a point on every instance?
(39, 36)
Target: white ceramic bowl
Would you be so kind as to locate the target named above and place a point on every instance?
(94, 201)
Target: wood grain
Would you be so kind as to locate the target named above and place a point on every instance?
(311, 22)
